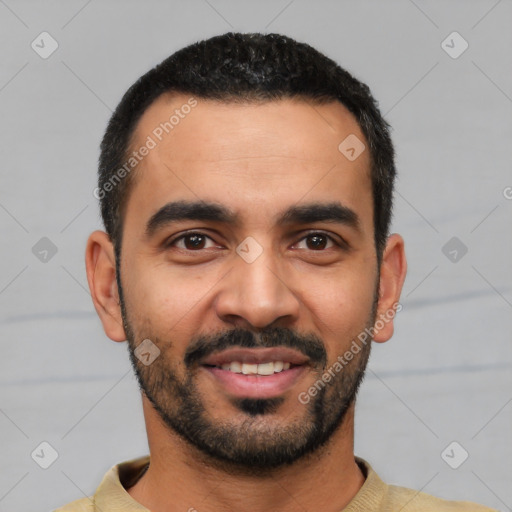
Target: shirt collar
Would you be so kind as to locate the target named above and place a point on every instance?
(112, 496)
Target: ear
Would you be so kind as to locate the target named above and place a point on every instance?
(101, 275)
(393, 269)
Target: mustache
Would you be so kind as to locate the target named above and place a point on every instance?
(309, 344)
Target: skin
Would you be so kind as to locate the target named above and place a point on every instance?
(258, 160)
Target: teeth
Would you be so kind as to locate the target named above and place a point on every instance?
(256, 369)
(278, 366)
(266, 369)
(234, 367)
(249, 369)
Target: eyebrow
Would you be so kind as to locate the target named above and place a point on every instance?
(177, 211)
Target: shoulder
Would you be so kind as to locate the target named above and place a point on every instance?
(377, 495)
(111, 490)
(81, 505)
(408, 500)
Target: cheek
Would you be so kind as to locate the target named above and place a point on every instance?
(341, 306)
(166, 298)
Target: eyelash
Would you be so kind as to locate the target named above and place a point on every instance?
(341, 245)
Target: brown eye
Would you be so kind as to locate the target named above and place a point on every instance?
(194, 241)
(316, 241)
(191, 241)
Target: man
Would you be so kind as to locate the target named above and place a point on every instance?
(246, 189)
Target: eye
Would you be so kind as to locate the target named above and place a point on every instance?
(191, 241)
(197, 241)
(318, 242)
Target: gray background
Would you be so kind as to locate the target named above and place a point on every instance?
(446, 374)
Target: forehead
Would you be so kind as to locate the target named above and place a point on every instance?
(250, 155)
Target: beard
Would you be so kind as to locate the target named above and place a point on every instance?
(255, 439)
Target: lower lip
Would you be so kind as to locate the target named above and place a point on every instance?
(256, 386)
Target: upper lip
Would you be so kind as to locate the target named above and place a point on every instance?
(256, 356)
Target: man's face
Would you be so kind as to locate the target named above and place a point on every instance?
(260, 257)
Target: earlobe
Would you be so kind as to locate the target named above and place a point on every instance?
(101, 275)
(393, 270)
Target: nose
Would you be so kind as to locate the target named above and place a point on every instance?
(256, 294)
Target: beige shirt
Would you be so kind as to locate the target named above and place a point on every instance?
(374, 495)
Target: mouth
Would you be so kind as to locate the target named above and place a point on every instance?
(263, 369)
(256, 373)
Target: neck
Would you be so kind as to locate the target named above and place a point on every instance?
(181, 478)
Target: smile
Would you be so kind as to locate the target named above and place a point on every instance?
(267, 368)
(255, 373)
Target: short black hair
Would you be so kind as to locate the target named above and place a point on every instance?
(245, 67)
